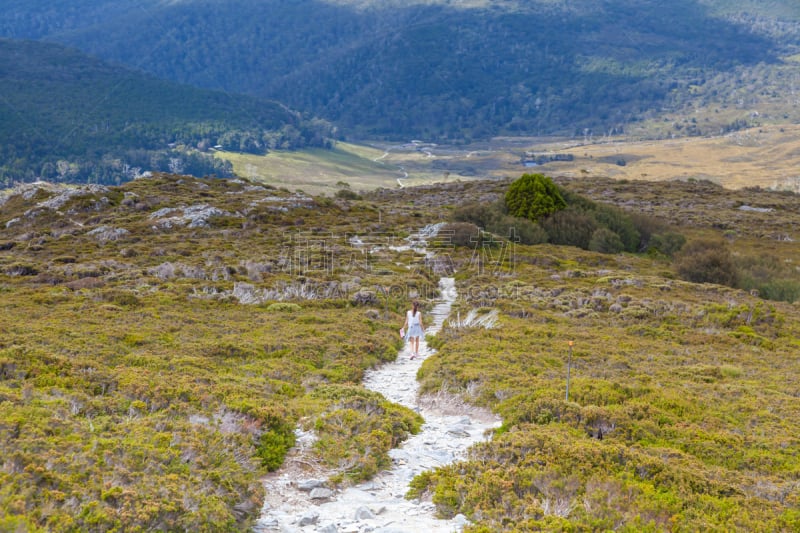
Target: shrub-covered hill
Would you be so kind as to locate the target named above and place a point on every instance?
(160, 340)
(682, 412)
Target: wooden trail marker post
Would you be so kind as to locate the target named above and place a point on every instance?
(569, 365)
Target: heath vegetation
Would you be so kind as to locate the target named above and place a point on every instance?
(161, 341)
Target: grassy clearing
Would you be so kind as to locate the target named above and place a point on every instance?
(362, 167)
(324, 171)
(314, 171)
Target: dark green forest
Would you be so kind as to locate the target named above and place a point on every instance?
(67, 117)
(172, 80)
(434, 70)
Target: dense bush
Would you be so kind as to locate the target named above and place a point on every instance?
(347, 194)
(463, 233)
(482, 215)
(707, 261)
(771, 277)
(669, 243)
(605, 241)
(619, 223)
(647, 227)
(536, 211)
(533, 196)
(494, 219)
(786, 290)
(588, 216)
(275, 443)
(525, 231)
(571, 227)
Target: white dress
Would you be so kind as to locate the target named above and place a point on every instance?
(414, 325)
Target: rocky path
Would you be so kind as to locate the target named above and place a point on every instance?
(297, 500)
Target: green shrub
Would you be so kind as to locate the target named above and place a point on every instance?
(620, 224)
(283, 307)
(463, 233)
(447, 498)
(784, 290)
(274, 444)
(605, 241)
(669, 243)
(347, 194)
(482, 215)
(494, 219)
(18, 524)
(121, 298)
(571, 228)
(534, 196)
(647, 226)
(707, 261)
(769, 275)
(358, 428)
(522, 230)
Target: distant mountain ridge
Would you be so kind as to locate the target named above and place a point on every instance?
(67, 117)
(440, 70)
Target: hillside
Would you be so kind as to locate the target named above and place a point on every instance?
(67, 117)
(457, 70)
(161, 340)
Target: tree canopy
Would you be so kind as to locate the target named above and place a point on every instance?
(534, 196)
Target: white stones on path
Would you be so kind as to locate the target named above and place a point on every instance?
(379, 505)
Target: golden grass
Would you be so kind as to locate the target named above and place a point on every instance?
(767, 157)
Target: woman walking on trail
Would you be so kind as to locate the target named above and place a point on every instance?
(413, 328)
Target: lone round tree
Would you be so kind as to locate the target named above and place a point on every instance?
(533, 196)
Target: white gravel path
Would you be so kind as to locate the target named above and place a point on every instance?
(298, 501)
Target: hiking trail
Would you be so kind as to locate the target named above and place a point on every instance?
(297, 498)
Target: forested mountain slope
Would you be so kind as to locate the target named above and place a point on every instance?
(67, 117)
(436, 69)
